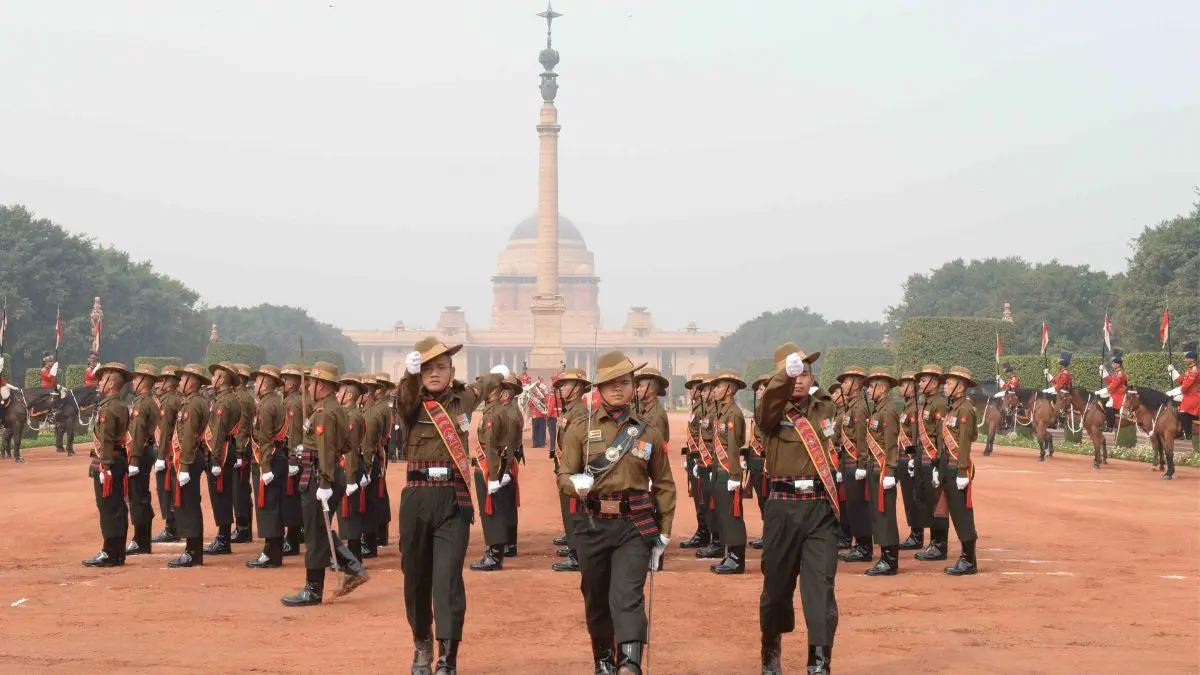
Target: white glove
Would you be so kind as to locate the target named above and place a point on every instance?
(103, 475)
(1174, 373)
(794, 365)
(1103, 393)
(804, 485)
(54, 369)
(743, 463)
(1, 364)
(412, 363)
(656, 553)
(732, 485)
(683, 463)
(324, 495)
(999, 394)
(962, 482)
(493, 486)
(1103, 371)
(1176, 392)
(267, 478)
(293, 469)
(937, 480)
(364, 481)
(160, 465)
(912, 468)
(583, 484)
(1046, 372)
(695, 471)
(838, 477)
(505, 479)
(351, 489)
(999, 381)
(501, 370)
(1049, 378)
(134, 470)
(237, 463)
(184, 478)
(216, 471)
(860, 474)
(1048, 390)
(889, 482)
(813, 389)
(307, 427)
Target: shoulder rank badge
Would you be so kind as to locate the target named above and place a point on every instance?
(729, 426)
(874, 425)
(827, 427)
(595, 435)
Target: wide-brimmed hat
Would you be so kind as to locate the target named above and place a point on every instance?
(325, 371)
(142, 370)
(293, 369)
(962, 374)
(384, 380)
(614, 364)
(787, 348)
(196, 370)
(268, 370)
(834, 388)
(694, 380)
(115, 367)
(431, 348)
(243, 370)
(573, 375)
(368, 380)
(881, 374)
(352, 379)
(488, 383)
(227, 367)
(908, 375)
(729, 375)
(932, 369)
(852, 371)
(513, 384)
(760, 381)
(655, 374)
(169, 371)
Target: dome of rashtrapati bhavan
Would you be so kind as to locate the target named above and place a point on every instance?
(509, 337)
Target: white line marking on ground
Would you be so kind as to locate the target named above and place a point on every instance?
(1059, 574)
(984, 468)
(19, 602)
(1014, 560)
(1175, 577)
(1082, 480)
(1012, 574)
(996, 550)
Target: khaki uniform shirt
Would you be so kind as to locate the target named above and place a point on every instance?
(189, 428)
(730, 425)
(786, 453)
(111, 426)
(573, 412)
(225, 415)
(328, 434)
(908, 419)
(143, 420)
(854, 423)
(247, 408)
(356, 431)
(656, 417)
(960, 420)
(269, 422)
(930, 412)
(168, 412)
(884, 427)
(424, 444)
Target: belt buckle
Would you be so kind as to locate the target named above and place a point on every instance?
(610, 507)
(807, 490)
(437, 473)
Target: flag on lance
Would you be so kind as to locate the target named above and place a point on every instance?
(1164, 329)
(1045, 337)
(999, 349)
(1108, 333)
(97, 317)
(57, 331)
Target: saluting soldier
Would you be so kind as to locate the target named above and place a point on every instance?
(930, 412)
(955, 470)
(322, 484)
(906, 441)
(512, 388)
(615, 462)
(143, 421)
(854, 460)
(353, 506)
(569, 388)
(189, 457)
(435, 505)
(169, 402)
(801, 523)
(110, 464)
(695, 451)
(755, 456)
(883, 430)
(729, 435)
(492, 480)
(223, 452)
(269, 440)
(651, 386)
(243, 492)
(296, 403)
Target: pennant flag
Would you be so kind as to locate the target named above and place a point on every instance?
(57, 329)
(3, 323)
(1164, 330)
(1045, 337)
(1108, 333)
(999, 349)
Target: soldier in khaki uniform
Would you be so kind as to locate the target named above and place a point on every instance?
(270, 454)
(189, 457)
(296, 404)
(854, 461)
(906, 441)
(392, 436)
(169, 402)
(694, 449)
(110, 464)
(223, 427)
(353, 507)
(615, 463)
(569, 387)
(512, 388)
(707, 473)
(492, 479)
(955, 470)
(435, 506)
(729, 435)
(883, 453)
(930, 411)
(801, 522)
(143, 420)
(374, 453)
(755, 456)
(322, 486)
(846, 538)
(243, 492)
(652, 386)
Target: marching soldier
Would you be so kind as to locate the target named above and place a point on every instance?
(707, 473)
(755, 458)
(801, 523)
(377, 416)
(143, 421)
(492, 480)
(270, 454)
(322, 482)
(354, 464)
(651, 386)
(189, 457)
(906, 441)
(110, 465)
(883, 429)
(615, 463)
(511, 388)
(955, 471)
(930, 412)
(696, 453)
(729, 435)
(435, 505)
(243, 493)
(854, 460)
(223, 452)
(391, 428)
(846, 538)
(569, 388)
(295, 405)
(169, 402)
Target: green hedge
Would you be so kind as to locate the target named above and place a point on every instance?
(311, 356)
(1145, 368)
(952, 341)
(7, 371)
(1149, 369)
(158, 361)
(73, 376)
(31, 377)
(756, 367)
(836, 360)
(235, 352)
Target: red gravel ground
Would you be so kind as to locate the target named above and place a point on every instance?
(1082, 572)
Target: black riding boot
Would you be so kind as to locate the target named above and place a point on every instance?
(193, 554)
(560, 540)
(888, 565)
(244, 534)
(818, 660)
(756, 543)
(603, 659)
(701, 539)
(167, 535)
(937, 546)
(715, 549)
(291, 543)
(915, 541)
(370, 545)
(571, 564)
(772, 651)
(734, 563)
(422, 656)
(629, 661)
(447, 663)
(314, 586)
(492, 561)
(862, 552)
(220, 543)
(966, 563)
(271, 556)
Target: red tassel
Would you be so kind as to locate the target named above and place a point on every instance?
(262, 494)
(382, 489)
(125, 485)
(178, 493)
(291, 488)
(969, 486)
(881, 495)
(345, 506)
(487, 507)
(517, 491)
(841, 492)
(572, 506)
(221, 483)
(866, 490)
(712, 505)
(737, 503)
(764, 482)
(362, 501)
(106, 491)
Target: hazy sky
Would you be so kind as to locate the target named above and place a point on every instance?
(795, 153)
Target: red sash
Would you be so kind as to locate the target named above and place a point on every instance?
(952, 448)
(926, 442)
(481, 459)
(816, 454)
(848, 445)
(904, 440)
(445, 428)
(697, 446)
(756, 442)
(880, 458)
(723, 458)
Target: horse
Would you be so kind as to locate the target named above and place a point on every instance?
(1156, 418)
(1040, 414)
(1091, 419)
(990, 416)
(14, 418)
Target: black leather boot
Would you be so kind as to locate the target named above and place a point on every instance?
(888, 565)
(966, 563)
(701, 539)
(563, 552)
(629, 660)
(370, 545)
(193, 554)
(772, 651)
(914, 542)
(381, 535)
(571, 564)
(104, 559)
(220, 543)
(447, 663)
(845, 541)
(271, 556)
(603, 658)
(734, 563)
(422, 656)
(756, 544)
(492, 561)
(133, 548)
(510, 550)
(242, 535)
(714, 551)
(818, 660)
(863, 551)
(310, 595)
(168, 535)
(560, 540)
(291, 543)
(937, 547)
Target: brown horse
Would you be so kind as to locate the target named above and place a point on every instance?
(1088, 413)
(991, 416)
(14, 418)
(1156, 418)
(1039, 414)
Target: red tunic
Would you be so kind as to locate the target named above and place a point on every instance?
(1013, 383)
(1189, 382)
(89, 377)
(1062, 381)
(553, 409)
(1116, 388)
(48, 381)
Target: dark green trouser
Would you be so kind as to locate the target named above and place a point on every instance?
(114, 512)
(496, 524)
(698, 494)
(800, 539)
(614, 560)
(907, 487)
(728, 512)
(854, 510)
(956, 501)
(434, 533)
(141, 502)
(316, 540)
(883, 525)
(755, 466)
(927, 496)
